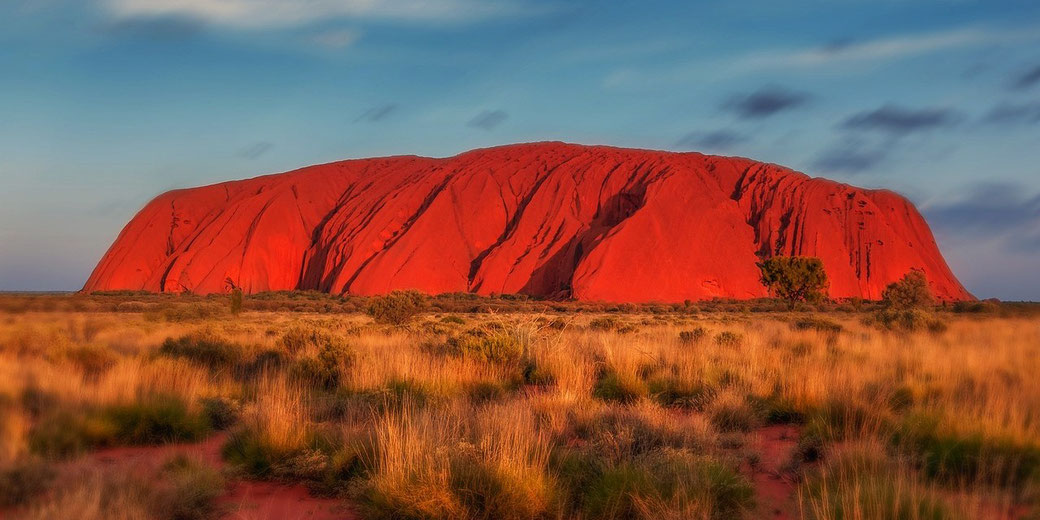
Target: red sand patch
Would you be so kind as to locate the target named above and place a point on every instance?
(244, 499)
(774, 491)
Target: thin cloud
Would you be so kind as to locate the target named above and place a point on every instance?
(1027, 79)
(171, 27)
(255, 150)
(900, 121)
(378, 113)
(260, 14)
(765, 102)
(883, 49)
(718, 140)
(1014, 113)
(991, 210)
(851, 156)
(488, 120)
(336, 38)
(829, 55)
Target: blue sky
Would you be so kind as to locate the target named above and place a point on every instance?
(106, 103)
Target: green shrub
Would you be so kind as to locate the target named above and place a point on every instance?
(23, 479)
(325, 369)
(728, 339)
(795, 278)
(907, 320)
(909, 292)
(236, 300)
(619, 388)
(396, 308)
(453, 319)
(775, 409)
(156, 420)
(219, 412)
(497, 347)
(205, 348)
(604, 323)
(673, 392)
(862, 484)
(535, 374)
(692, 336)
(188, 491)
(952, 457)
(484, 391)
(668, 484)
(818, 324)
(93, 360)
(733, 416)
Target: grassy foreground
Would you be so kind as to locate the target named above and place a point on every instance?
(522, 410)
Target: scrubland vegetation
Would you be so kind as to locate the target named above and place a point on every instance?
(463, 407)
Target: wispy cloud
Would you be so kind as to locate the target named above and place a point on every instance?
(336, 38)
(882, 49)
(829, 55)
(765, 102)
(488, 119)
(288, 13)
(377, 113)
(900, 121)
(992, 210)
(1027, 79)
(255, 150)
(714, 141)
(852, 156)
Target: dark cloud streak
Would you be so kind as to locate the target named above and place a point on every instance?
(1027, 79)
(851, 156)
(765, 102)
(376, 114)
(901, 121)
(255, 150)
(488, 120)
(718, 140)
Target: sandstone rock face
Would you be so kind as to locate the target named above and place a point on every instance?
(546, 219)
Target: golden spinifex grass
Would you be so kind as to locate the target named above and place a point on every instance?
(539, 415)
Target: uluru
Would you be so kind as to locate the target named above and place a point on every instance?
(551, 220)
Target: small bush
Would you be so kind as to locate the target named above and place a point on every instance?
(672, 392)
(219, 412)
(325, 369)
(156, 420)
(731, 415)
(668, 484)
(236, 300)
(692, 336)
(205, 348)
(189, 490)
(859, 483)
(818, 324)
(497, 347)
(910, 292)
(907, 320)
(23, 479)
(619, 388)
(93, 360)
(953, 457)
(604, 323)
(795, 278)
(396, 308)
(453, 319)
(728, 339)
